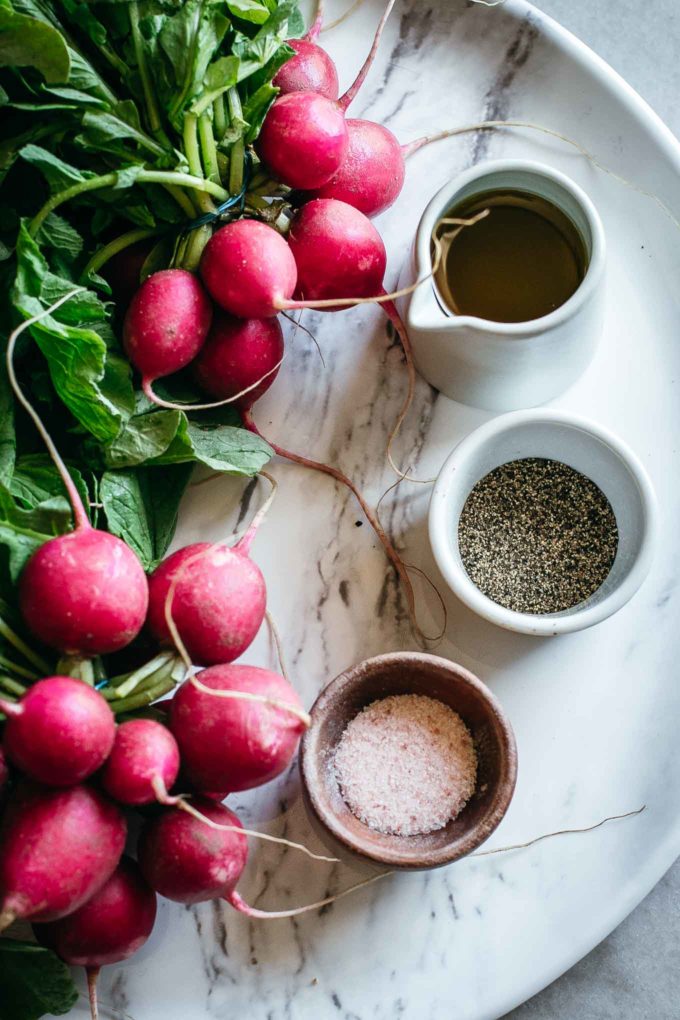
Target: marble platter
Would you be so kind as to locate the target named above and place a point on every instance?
(595, 713)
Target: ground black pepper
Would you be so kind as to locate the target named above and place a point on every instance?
(536, 536)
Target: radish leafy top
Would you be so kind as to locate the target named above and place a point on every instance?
(117, 117)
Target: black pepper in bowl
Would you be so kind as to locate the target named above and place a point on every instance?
(537, 536)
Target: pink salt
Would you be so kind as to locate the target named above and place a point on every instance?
(406, 765)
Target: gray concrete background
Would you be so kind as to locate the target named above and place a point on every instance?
(635, 973)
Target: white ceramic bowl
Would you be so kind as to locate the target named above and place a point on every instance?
(588, 448)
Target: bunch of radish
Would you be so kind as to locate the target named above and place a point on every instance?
(224, 326)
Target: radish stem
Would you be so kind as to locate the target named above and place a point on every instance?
(261, 699)
(109, 180)
(147, 386)
(21, 646)
(21, 671)
(101, 257)
(351, 92)
(12, 686)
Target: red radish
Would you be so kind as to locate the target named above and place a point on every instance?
(184, 860)
(372, 173)
(338, 252)
(304, 137)
(60, 732)
(166, 324)
(85, 592)
(228, 743)
(110, 927)
(218, 602)
(310, 70)
(144, 762)
(303, 140)
(237, 355)
(57, 848)
(4, 773)
(249, 269)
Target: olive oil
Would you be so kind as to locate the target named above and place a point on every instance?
(520, 262)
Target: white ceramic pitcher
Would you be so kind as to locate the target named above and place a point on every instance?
(497, 365)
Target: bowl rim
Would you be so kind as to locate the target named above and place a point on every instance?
(446, 488)
(312, 767)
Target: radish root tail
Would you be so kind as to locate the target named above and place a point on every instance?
(261, 699)
(184, 804)
(7, 917)
(237, 901)
(92, 978)
(147, 387)
(352, 91)
(80, 517)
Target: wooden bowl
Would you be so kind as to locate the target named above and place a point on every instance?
(407, 673)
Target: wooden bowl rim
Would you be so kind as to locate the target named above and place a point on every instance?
(312, 767)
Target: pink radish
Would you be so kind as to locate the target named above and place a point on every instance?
(60, 732)
(4, 774)
(57, 848)
(228, 743)
(310, 70)
(218, 602)
(237, 355)
(249, 269)
(143, 764)
(86, 592)
(304, 139)
(110, 927)
(166, 324)
(185, 861)
(371, 175)
(337, 251)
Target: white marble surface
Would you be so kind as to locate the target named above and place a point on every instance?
(595, 715)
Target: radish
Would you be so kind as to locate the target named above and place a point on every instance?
(144, 763)
(337, 251)
(249, 269)
(166, 324)
(110, 927)
(311, 69)
(86, 592)
(57, 848)
(236, 726)
(188, 862)
(304, 138)
(60, 732)
(240, 355)
(4, 774)
(371, 175)
(185, 862)
(218, 602)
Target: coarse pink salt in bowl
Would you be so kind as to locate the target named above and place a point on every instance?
(447, 744)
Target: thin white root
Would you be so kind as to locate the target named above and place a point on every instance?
(278, 644)
(559, 832)
(185, 805)
(343, 17)
(147, 386)
(261, 699)
(239, 903)
(79, 513)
